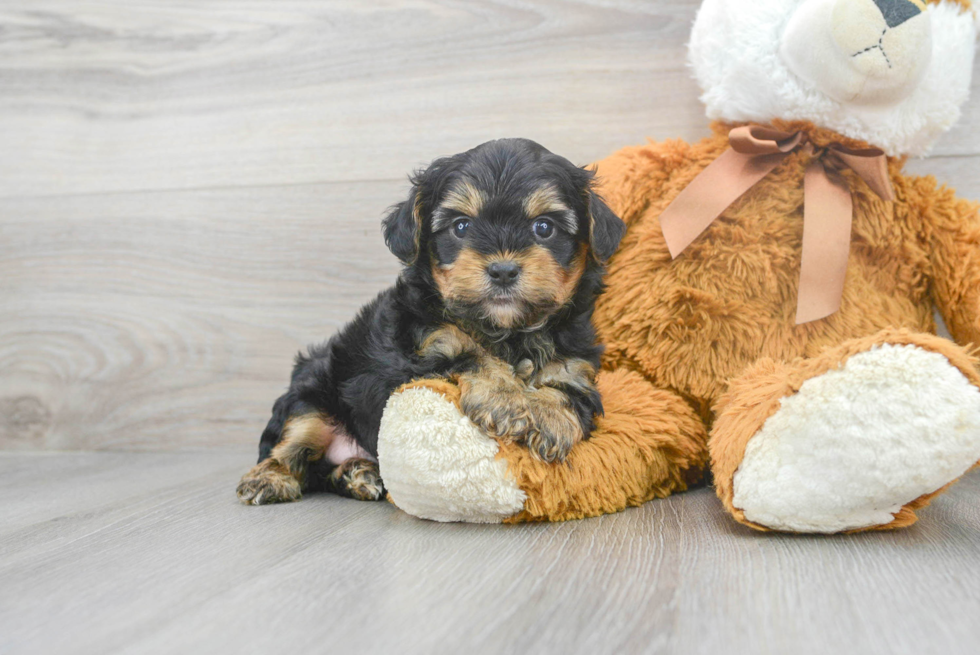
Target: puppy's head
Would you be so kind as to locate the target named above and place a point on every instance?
(506, 232)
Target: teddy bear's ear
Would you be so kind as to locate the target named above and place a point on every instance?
(605, 228)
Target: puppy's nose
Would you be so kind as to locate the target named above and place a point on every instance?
(897, 12)
(503, 274)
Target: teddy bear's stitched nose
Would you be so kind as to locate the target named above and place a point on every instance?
(897, 12)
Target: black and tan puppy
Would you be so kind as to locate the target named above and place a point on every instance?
(503, 248)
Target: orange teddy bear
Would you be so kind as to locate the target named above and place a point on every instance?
(769, 314)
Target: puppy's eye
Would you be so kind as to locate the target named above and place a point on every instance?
(460, 226)
(543, 228)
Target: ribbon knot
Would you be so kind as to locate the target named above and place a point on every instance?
(827, 204)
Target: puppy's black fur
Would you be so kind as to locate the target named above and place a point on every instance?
(508, 205)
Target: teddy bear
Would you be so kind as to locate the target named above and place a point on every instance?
(768, 319)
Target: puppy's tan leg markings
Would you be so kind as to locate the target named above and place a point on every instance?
(519, 403)
(495, 399)
(359, 479)
(524, 369)
(266, 483)
(448, 341)
(492, 396)
(282, 477)
(576, 373)
(557, 425)
(526, 406)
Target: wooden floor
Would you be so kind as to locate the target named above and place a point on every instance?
(191, 191)
(151, 553)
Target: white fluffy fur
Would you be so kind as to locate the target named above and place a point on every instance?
(857, 443)
(734, 51)
(437, 465)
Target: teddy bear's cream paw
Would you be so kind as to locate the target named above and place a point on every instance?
(438, 465)
(857, 443)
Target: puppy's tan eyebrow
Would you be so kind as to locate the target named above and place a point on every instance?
(547, 200)
(462, 199)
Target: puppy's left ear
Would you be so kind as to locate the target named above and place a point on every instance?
(605, 228)
(402, 228)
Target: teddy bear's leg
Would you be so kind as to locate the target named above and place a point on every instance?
(438, 465)
(855, 438)
(648, 444)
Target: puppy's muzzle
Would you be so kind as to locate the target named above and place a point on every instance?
(503, 274)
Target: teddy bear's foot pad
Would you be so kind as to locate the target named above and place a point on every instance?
(858, 443)
(437, 465)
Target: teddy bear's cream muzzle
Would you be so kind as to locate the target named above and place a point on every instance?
(866, 52)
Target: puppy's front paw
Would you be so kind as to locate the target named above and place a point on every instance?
(556, 427)
(267, 483)
(508, 417)
(496, 401)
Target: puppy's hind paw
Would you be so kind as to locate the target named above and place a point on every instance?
(359, 479)
(266, 484)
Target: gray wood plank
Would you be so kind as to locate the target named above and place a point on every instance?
(160, 558)
(169, 320)
(113, 95)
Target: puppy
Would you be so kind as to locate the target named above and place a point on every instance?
(503, 249)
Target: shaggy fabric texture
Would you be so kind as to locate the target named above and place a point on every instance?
(694, 324)
(759, 394)
(649, 444)
(436, 465)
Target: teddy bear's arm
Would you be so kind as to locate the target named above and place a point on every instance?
(952, 226)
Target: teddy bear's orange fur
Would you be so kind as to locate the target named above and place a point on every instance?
(703, 349)
(716, 326)
(700, 350)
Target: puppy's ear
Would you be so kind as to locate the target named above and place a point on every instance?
(605, 228)
(402, 228)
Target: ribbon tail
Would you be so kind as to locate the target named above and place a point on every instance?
(827, 215)
(723, 182)
(872, 168)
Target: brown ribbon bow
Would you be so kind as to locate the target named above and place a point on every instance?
(827, 205)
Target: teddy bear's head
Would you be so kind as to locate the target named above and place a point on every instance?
(891, 72)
